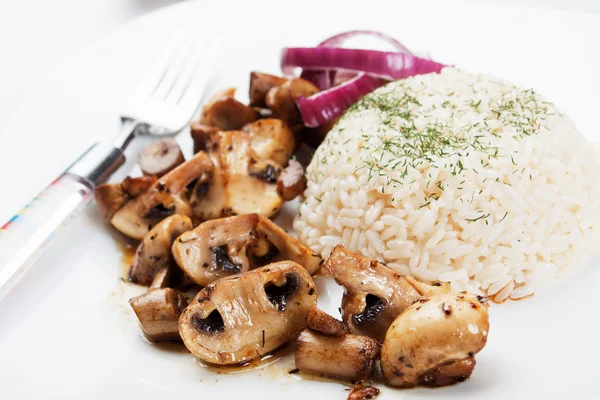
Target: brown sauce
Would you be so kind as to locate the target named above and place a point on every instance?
(127, 251)
(258, 363)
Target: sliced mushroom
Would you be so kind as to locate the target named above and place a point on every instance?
(135, 186)
(216, 248)
(349, 357)
(260, 84)
(271, 139)
(285, 247)
(321, 322)
(160, 157)
(434, 341)
(169, 195)
(154, 252)
(161, 279)
(158, 311)
(267, 171)
(202, 135)
(291, 181)
(361, 392)
(282, 99)
(243, 317)
(375, 294)
(234, 191)
(110, 197)
(223, 111)
(427, 290)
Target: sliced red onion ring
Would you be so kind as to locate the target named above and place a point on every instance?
(326, 79)
(381, 64)
(339, 39)
(329, 104)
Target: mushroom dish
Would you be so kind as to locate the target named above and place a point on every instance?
(229, 284)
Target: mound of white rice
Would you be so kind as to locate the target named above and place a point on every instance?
(461, 178)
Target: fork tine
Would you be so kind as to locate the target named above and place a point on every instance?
(178, 58)
(198, 48)
(193, 92)
(152, 78)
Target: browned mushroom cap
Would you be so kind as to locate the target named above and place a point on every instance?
(138, 185)
(291, 181)
(260, 84)
(276, 245)
(158, 311)
(271, 139)
(282, 99)
(216, 248)
(320, 321)
(169, 195)
(202, 135)
(375, 295)
(349, 357)
(160, 157)
(242, 317)
(112, 196)
(154, 252)
(433, 342)
(223, 111)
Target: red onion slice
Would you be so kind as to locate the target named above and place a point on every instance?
(381, 64)
(329, 104)
(326, 79)
(339, 39)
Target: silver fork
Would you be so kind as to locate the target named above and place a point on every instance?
(163, 103)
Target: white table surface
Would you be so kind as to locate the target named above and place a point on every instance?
(38, 36)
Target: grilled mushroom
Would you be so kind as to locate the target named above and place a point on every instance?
(237, 188)
(360, 392)
(169, 195)
(202, 135)
(271, 139)
(260, 84)
(154, 252)
(281, 246)
(112, 196)
(427, 290)
(321, 322)
(282, 99)
(243, 317)
(223, 111)
(375, 295)
(349, 357)
(434, 341)
(161, 279)
(291, 181)
(160, 157)
(216, 248)
(158, 311)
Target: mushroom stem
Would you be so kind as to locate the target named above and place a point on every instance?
(158, 311)
(349, 357)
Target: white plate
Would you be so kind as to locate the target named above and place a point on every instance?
(66, 331)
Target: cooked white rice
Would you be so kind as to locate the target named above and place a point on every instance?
(461, 178)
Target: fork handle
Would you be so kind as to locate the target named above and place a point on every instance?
(26, 235)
